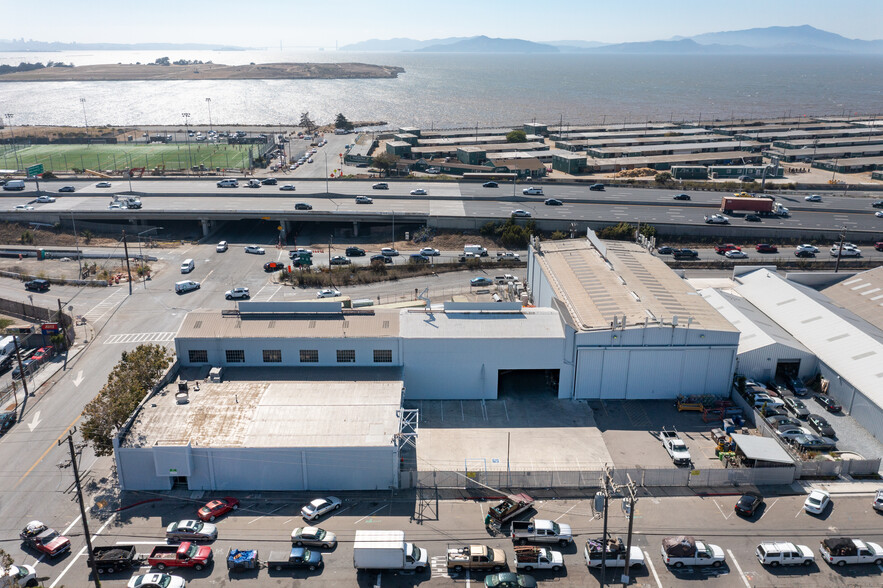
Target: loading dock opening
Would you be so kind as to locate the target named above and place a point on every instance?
(788, 367)
(527, 383)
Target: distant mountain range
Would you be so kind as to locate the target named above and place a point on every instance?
(30, 45)
(796, 40)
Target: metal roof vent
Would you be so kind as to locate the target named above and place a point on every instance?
(197, 325)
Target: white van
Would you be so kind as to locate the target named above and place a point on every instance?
(187, 266)
(228, 183)
(7, 346)
(186, 286)
(14, 185)
(476, 249)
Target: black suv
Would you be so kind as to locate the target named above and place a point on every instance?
(877, 204)
(7, 419)
(685, 254)
(38, 285)
(355, 252)
(269, 181)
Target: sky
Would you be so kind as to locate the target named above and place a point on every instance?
(322, 23)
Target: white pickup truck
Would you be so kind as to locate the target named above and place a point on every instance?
(614, 554)
(530, 558)
(681, 551)
(842, 550)
(676, 448)
(776, 554)
(541, 531)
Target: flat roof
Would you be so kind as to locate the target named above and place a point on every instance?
(630, 282)
(276, 407)
(709, 157)
(529, 323)
(675, 146)
(862, 294)
(761, 448)
(535, 146)
(852, 161)
(359, 323)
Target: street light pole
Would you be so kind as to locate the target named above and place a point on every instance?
(83, 102)
(14, 150)
(186, 116)
(209, 102)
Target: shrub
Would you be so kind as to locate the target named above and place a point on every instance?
(558, 235)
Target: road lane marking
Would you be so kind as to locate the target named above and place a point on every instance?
(80, 553)
(735, 563)
(45, 453)
(369, 514)
(69, 527)
(650, 565)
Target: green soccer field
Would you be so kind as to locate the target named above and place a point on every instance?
(60, 158)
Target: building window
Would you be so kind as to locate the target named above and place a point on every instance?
(235, 356)
(309, 356)
(346, 356)
(272, 356)
(198, 356)
(383, 356)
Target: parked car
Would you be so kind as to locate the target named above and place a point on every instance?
(288, 188)
(20, 575)
(44, 354)
(813, 198)
(303, 206)
(796, 407)
(327, 293)
(509, 580)
(748, 503)
(37, 285)
(215, 508)
(817, 502)
(783, 422)
(254, 249)
(682, 197)
(766, 248)
(355, 252)
(313, 537)
(552, 202)
(821, 425)
(520, 213)
(481, 281)
(796, 385)
(339, 260)
(418, 192)
(320, 506)
(776, 554)
(790, 433)
(156, 580)
(44, 539)
(28, 366)
(490, 185)
(814, 443)
(829, 403)
(273, 266)
(238, 292)
(596, 187)
(191, 530)
(532, 191)
(7, 420)
(878, 501)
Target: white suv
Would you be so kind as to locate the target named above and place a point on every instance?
(239, 292)
(228, 184)
(786, 554)
(851, 251)
(533, 191)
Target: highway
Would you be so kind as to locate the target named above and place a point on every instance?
(202, 199)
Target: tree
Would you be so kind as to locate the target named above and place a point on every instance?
(163, 61)
(662, 178)
(87, 236)
(6, 562)
(516, 137)
(306, 122)
(341, 122)
(384, 161)
(136, 374)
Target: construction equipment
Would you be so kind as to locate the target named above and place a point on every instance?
(97, 174)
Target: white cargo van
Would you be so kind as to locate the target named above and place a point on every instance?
(187, 266)
(7, 345)
(476, 249)
(186, 286)
(14, 185)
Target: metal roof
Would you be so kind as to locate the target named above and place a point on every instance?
(761, 448)
(218, 325)
(278, 407)
(530, 323)
(849, 345)
(756, 329)
(629, 281)
(861, 294)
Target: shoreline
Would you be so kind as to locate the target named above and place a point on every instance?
(205, 71)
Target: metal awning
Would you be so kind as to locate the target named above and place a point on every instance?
(761, 448)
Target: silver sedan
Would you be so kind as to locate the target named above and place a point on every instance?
(313, 536)
(192, 530)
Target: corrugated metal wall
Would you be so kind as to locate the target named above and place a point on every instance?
(867, 413)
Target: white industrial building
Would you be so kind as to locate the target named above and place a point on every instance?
(765, 348)
(634, 329)
(848, 347)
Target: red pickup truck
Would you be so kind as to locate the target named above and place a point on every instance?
(185, 555)
(45, 540)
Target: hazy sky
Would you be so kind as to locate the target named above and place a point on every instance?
(324, 22)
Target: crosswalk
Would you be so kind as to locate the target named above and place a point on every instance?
(106, 306)
(439, 566)
(158, 337)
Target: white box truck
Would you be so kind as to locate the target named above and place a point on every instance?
(387, 550)
(475, 249)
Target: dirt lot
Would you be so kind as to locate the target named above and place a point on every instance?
(19, 234)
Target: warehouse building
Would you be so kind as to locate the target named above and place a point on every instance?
(634, 329)
(765, 349)
(849, 348)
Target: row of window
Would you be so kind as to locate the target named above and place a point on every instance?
(306, 356)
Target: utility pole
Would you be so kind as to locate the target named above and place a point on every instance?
(840, 248)
(70, 442)
(128, 266)
(632, 489)
(330, 243)
(24, 379)
(606, 478)
(60, 314)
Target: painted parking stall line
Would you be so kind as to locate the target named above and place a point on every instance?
(738, 568)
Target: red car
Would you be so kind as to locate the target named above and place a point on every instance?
(273, 266)
(45, 540)
(766, 248)
(216, 508)
(878, 245)
(43, 353)
(721, 249)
